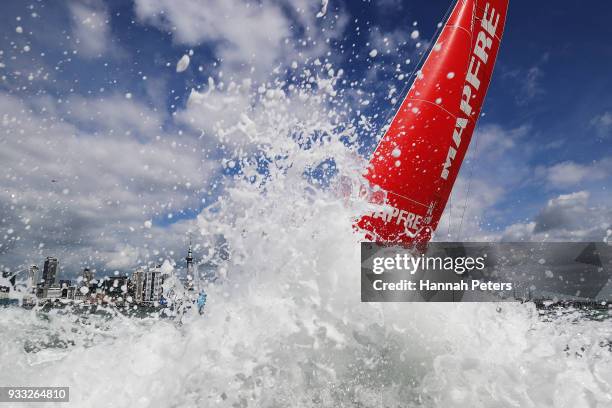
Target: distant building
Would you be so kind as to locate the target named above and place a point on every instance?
(138, 285)
(143, 286)
(88, 287)
(192, 280)
(50, 271)
(49, 292)
(33, 277)
(152, 285)
(81, 293)
(189, 259)
(67, 290)
(88, 276)
(115, 286)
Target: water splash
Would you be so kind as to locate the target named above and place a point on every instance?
(284, 324)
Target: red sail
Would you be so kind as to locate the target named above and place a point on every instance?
(415, 165)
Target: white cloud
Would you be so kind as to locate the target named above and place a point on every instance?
(84, 195)
(569, 173)
(248, 38)
(567, 217)
(558, 211)
(90, 27)
(498, 165)
(529, 81)
(113, 116)
(495, 165)
(530, 87)
(246, 33)
(86, 173)
(518, 232)
(603, 123)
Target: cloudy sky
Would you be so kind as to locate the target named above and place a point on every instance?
(108, 153)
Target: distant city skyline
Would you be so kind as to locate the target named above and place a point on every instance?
(52, 268)
(143, 286)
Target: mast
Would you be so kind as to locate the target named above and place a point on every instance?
(415, 165)
(190, 267)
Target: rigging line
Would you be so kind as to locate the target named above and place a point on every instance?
(406, 88)
(450, 213)
(467, 194)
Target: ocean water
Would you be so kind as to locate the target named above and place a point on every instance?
(284, 325)
(267, 350)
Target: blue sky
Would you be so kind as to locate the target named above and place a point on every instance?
(85, 83)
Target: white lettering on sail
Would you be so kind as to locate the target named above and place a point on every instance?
(459, 126)
(411, 221)
(482, 44)
(484, 41)
(487, 22)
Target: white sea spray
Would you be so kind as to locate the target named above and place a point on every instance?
(284, 324)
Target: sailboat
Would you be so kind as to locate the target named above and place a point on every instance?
(413, 169)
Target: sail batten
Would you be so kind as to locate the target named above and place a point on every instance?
(416, 163)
